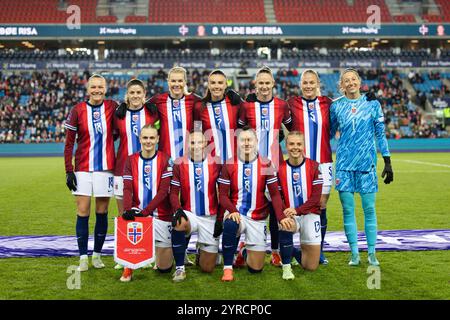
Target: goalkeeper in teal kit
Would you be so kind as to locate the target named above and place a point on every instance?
(360, 122)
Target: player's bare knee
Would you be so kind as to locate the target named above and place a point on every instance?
(310, 266)
(207, 267)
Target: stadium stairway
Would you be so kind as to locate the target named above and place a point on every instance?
(269, 11)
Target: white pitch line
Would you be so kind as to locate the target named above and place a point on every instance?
(427, 163)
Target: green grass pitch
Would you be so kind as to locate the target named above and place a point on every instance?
(35, 201)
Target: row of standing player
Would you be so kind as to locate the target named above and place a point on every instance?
(218, 112)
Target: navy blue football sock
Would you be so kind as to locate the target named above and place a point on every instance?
(82, 230)
(229, 243)
(178, 247)
(100, 230)
(286, 246)
(297, 254)
(273, 228)
(323, 226)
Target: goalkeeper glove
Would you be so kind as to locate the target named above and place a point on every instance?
(387, 171)
(177, 217)
(251, 97)
(130, 214)
(71, 181)
(121, 110)
(234, 97)
(151, 107)
(218, 228)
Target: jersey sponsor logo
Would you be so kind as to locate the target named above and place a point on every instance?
(134, 232)
(247, 172)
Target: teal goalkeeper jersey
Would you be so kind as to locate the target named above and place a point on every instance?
(359, 123)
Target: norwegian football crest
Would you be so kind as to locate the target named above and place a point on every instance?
(217, 110)
(135, 117)
(265, 111)
(296, 176)
(96, 115)
(353, 110)
(247, 172)
(134, 232)
(176, 103)
(338, 181)
(198, 171)
(147, 169)
(311, 105)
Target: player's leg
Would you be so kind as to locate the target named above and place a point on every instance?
(286, 250)
(327, 176)
(118, 195)
(83, 201)
(163, 244)
(310, 239)
(369, 188)
(208, 245)
(103, 188)
(345, 184)
(274, 237)
(82, 229)
(179, 233)
(256, 237)
(229, 244)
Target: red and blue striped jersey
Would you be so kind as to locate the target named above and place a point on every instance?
(247, 183)
(297, 185)
(93, 126)
(145, 176)
(219, 123)
(176, 118)
(312, 117)
(197, 184)
(266, 119)
(129, 129)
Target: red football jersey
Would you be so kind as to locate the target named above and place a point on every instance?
(93, 126)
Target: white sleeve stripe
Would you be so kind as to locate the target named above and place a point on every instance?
(223, 181)
(271, 180)
(241, 122)
(175, 183)
(288, 120)
(68, 126)
(127, 178)
(166, 175)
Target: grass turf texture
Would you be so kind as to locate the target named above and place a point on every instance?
(35, 201)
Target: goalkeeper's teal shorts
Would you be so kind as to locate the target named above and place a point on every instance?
(356, 181)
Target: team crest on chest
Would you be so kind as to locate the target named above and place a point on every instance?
(296, 176)
(247, 172)
(176, 103)
(96, 115)
(265, 111)
(311, 105)
(353, 110)
(135, 117)
(147, 169)
(217, 110)
(198, 171)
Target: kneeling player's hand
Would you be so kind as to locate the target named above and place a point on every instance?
(131, 214)
(387, 171)
(71, 181)
(218, 228)
(287, 224)
(177, 217)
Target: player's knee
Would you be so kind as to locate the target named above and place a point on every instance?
(207, 267)
(165, 270)
(230, 226)
(310, 266)
(251, 270)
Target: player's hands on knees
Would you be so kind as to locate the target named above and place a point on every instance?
(387, 171)
(218, 228)
(290, 212)
(176, 219)
(235, 216)
(71, 181)
(287, 224)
